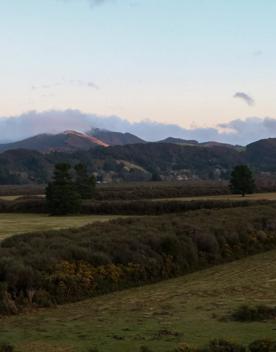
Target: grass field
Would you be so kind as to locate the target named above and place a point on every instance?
(161, 316)
(14, 197)
(12, 224)
(9, 197)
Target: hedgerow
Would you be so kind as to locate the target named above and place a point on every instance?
(37, 204)
(55, 267)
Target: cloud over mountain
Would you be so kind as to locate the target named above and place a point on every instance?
(239, 131)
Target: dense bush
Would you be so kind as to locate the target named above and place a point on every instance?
(148, 190)
(158, 190)
(61, 266)
(37, 204)
(145, 349)
(254, 313)
(264, 345)
(33, 204)
(147, 207)
(6, 348)
(220, 345)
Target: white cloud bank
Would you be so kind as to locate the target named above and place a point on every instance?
(240, 131)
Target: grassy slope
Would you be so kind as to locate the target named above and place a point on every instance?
(11, 224)
(124, 321)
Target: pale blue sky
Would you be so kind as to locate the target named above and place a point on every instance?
(178, 61)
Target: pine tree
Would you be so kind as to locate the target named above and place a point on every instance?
(61, 195)
(242, 180)
(85, 184)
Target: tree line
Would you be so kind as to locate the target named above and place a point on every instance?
(64, 194)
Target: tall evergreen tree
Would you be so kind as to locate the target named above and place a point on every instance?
(85, 183)
(242, 180)
(61, 195)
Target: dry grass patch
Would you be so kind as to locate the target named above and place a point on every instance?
(13, 224)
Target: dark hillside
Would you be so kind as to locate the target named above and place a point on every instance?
(23, 167)
(137, 162)
(262, 154)
(166, 156)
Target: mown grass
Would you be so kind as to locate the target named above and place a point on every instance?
(161, 316)
(13, 223)
(9, 197)
(15, 197)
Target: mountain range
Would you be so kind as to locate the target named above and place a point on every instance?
(70, 141)
(117, 157)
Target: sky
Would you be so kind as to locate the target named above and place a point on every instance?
(193, 63)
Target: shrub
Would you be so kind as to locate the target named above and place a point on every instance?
(220, 345)
(258, 313)
(264, 345)
(42, 298)
(145, 349)
(52, 267)
(186, 348)
(6, 348)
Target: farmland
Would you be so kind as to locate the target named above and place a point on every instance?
(190, 309)
(161, 316)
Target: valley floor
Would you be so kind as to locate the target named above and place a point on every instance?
(162, 316)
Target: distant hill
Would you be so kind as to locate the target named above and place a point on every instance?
(170, 158)
(131, 162)
(219, 144)
(181, 141)
(178, 141)
(68, 141)
(115, 138)
(262, 154)
(24, 166)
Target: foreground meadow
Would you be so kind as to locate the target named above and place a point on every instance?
(162, 316)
